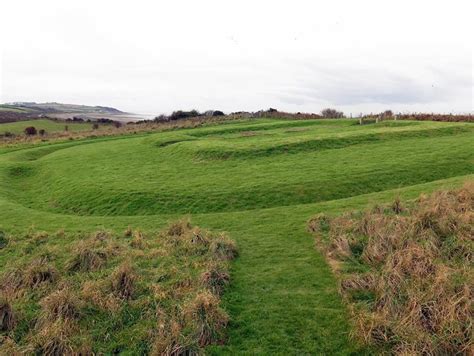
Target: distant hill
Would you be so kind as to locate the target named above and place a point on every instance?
(59, 107)
(18, 111)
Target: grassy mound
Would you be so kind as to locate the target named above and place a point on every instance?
(148, 294)
(407, 272)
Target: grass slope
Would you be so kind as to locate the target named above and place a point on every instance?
(283, 297)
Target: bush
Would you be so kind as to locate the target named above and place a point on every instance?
(180, 114)
(332, 114)
(217, 113)
(95, 126)
(42, 132)
(30, 131)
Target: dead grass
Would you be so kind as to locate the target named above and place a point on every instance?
(7, 316)
(123, 281)
(61, 304)
(413, 287)
(84, 295)
(88, 256)
(208, 318)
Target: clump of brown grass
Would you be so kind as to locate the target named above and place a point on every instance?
(207, 317)
(93, 292)
(215, 278)
(61, 304)
(128, 232)
(123, 281)
(39, 272)
(397, 206)
(138, 240)
(223, 247)
(169, 339)
(7, 316)
(101, 235)
(9, 347)
(178, 228)
(54, 339)
(417, 285)
(88, 256)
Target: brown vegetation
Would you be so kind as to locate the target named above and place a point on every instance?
(411, 285)
(7, 317)
(57, 303)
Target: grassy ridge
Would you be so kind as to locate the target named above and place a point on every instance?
(283, 297)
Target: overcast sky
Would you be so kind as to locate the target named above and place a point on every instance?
(158, 56)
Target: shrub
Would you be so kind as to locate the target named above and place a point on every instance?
(95, 126)
(332, 114)
(180, 114)
(42, 132)
(30, 131)
(218, 113)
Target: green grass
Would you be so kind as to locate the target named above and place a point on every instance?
(258, 180)
(49, 125)
(12, 109)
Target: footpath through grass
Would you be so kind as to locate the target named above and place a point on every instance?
(283, 298)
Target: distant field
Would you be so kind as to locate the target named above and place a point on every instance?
(48, 125)
(259, 180)
(12, 109)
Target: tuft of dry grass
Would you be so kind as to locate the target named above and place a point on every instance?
(88, 256)
(215, 278)
(61, 304)
(223, 247)
(7, 316)
(178, 228)
(123, 281)
(208, 318)
(138, 240)
(54, 339)
(414, 290)
(9, 347)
